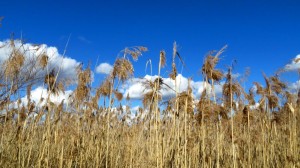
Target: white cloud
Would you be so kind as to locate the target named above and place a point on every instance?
(135, 108)
(236, 75)
(294, 65)
(65, 65)
(41, 93)
(39, 96)
(136, 90)
(104, 68)
(295, 86)
(254, 88)
(253, 107)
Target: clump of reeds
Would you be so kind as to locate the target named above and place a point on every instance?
(226, 131)
(44, 59)
(208, 67)
(123, 69)
(15, 62)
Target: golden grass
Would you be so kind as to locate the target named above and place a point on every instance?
(190, 132)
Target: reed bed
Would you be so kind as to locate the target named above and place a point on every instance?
(207, 131)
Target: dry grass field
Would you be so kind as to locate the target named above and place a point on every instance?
(207, 131)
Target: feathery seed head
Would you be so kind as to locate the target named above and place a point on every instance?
(122, 69)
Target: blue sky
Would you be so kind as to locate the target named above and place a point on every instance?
(262, 35)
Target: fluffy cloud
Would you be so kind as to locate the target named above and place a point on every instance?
(236, 75)
(294, 65)
(64, 65)
(41, 93)
(295, 86)
(39, 96)
(136, 89)
(104, 68)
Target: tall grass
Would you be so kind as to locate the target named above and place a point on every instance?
(205, 131)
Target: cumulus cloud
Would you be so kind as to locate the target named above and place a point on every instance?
(39, 96)
(294, 65)
(65, 65)
(235, 75)
(41, 93)
(295, 86)
(104, 68)
(135, 88)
